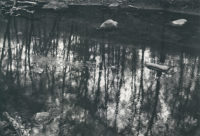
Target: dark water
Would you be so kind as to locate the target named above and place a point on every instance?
(98, 80)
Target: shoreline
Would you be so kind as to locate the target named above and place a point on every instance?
(141, 7)
(133, 6)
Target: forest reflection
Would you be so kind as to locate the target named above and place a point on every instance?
(100, 87)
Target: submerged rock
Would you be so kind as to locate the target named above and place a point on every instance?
(157, 67)
(179, 22)
(41, 116)
(109, 24)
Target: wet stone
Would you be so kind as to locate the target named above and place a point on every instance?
(109, 24)
(41, 116)
(179, 22)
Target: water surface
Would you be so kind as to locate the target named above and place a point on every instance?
(59, 62)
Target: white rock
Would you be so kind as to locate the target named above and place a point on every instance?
(157, 67)
(179, 22)
(109, 24)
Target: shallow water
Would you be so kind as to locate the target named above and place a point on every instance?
(98, 79)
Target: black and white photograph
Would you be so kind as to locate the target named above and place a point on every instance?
(99, 67)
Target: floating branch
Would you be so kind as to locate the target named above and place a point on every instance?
(157, 67)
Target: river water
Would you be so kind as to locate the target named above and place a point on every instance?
(61, 63)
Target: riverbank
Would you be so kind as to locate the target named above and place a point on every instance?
(195, 12)
(183, 6)
(171, 8)
(179, 6)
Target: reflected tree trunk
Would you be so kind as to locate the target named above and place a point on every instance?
(180, 83)
(18, 51)
(128, 128)
(141, 92)
(98, 91)
(106, 80)
(61, 132)
(4, 40)
(120, 83)
(188, 88)
(154, 112)
(28, 48)
(9, 52)
(49, 44)
(157, 91)
(16, 29)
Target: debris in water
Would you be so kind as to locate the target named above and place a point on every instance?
(157, 67)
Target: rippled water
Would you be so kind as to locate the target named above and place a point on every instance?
(98, 79)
